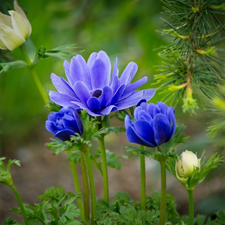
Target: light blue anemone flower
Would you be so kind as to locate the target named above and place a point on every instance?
(91, 87)
(64, 123)
(153, 124)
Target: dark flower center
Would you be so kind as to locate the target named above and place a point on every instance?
(97, 93)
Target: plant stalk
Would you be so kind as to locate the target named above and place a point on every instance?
(143, 179)
(92, 186)
(35, 76)
(77, 187)
(163, 193)
(104, 165)
(191, 207)
(85, 187)
(20, 204)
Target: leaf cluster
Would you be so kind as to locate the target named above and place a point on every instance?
(191, 64)
(57, 208)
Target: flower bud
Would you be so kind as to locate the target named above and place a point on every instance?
(14, 29)
(186, 166)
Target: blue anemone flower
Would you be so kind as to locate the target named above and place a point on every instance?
(91, 87)
(64, 123)
(153, 125)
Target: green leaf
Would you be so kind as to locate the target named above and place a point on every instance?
(4, 67)
(10, 221)
(30, 49)
(221, 217)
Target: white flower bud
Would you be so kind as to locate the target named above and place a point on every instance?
(186, 166)
(14, 29)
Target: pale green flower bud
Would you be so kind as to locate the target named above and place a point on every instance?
(186, 165)
(14, 29)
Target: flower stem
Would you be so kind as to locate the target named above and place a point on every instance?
(77, 187)
(85, 187)
(35, 76)
(163, 193)
(143, 180)
(92, 186)
(104, 165)
(20, 204)
(191, 207)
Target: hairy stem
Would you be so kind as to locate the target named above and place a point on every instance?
(163, 193)
(191, 207)
(143, 180)
(35, 76)
(85, 187)
(104, 165)
(92, 186)
(20, 204)
(77, 187)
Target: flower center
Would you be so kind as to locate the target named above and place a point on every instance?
(97, 93)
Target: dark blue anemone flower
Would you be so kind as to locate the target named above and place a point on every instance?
(91, 87)
(153, 125)
(64, 123)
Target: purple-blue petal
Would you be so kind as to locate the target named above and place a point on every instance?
(78, 120)
(106, 96)
(129, 73)
(145, 131)
(115, 71)
(172, 121)
(64, 135)
(163, 107)
(108, 110)
(132, 87)
(98, 74)
(50, 126)
(161, 127)
(148, 94)
(62, 99)
(117, 95)
(67, 72)
(51, 116)
(82, 91)
(105, 59)
(115, 84)
(93, 104)
(127, 122)
(61, 85)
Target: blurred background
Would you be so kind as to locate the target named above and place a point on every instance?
(126, 29)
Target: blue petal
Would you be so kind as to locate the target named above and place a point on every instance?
(64, 135)
(78, 120)
(82, 91)
(151, 109)
(67, 72)
(172, 121)
(61, 85)
(132, 87)
(144, 106)
(115, 71)
(106, 96)
(91, 60)
(128, 122)
(62, 99)
(117, 95)
(148, 94)
(130, 101)
(145, 131)
(115, 84)
(93, 104)
(79, 70)
(163, 107)
(98, 75)
(129, 73)
(71, 124)
(51, 116)
(108, 110)
(105, 59)
(161, 127)
(134, 138)
(50, 126)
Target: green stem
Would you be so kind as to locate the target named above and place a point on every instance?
(77, 187)
(92, 186)
(163, 193)
(85, 187)
(104, 165)
(35, 76)
(191, 207)
(143, 180)
(20, 204)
